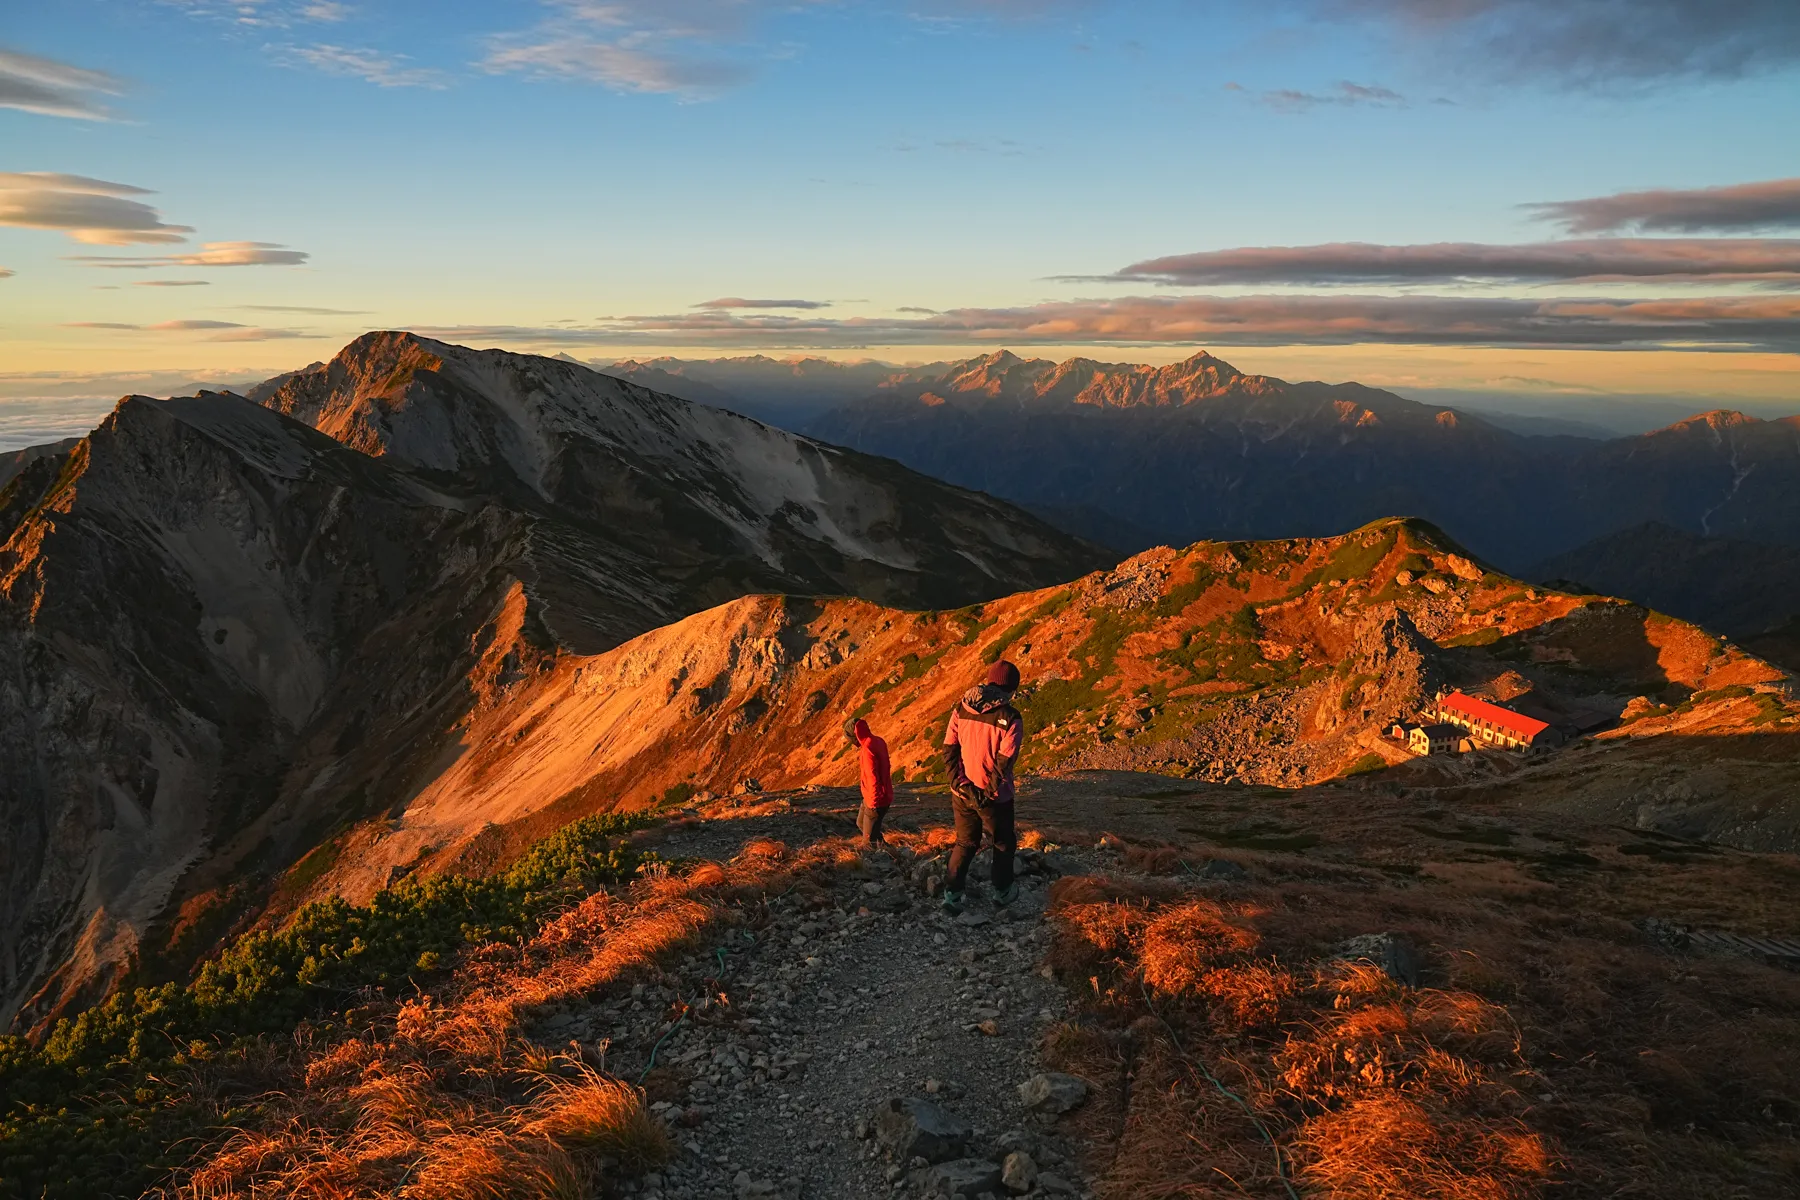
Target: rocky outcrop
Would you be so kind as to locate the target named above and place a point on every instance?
(1391, 670)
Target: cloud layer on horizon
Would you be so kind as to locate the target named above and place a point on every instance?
(727, 302)
(1759, 260)
(1734, 208)
(221, 331)
(1720, 322)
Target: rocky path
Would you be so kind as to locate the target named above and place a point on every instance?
(832, 1003)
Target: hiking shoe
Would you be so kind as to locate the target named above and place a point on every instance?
(952, 902)
(1006, 895)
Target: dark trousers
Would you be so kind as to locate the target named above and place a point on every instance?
(869, 819)
(996, 821)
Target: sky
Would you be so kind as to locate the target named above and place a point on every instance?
(1541, 198)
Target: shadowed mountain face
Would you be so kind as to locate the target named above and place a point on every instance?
(788, 393)
(227, 626)
(1138, 455)
(1736, 587)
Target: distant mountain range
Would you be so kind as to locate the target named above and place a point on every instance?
(1132, 455)
(1742, 589)
(229, 624)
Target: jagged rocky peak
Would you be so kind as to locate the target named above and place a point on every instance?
(448, 408)
(1713, 422)
(1040, 383)
(599, 448)
(355, 397)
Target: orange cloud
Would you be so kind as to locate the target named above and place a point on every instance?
(1766, 260)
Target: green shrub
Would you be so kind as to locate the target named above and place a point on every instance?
(100, 1108)
(1244, 625)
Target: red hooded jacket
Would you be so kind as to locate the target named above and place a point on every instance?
(983, 740)
(877, 781)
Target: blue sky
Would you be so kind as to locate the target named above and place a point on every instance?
(579, 176)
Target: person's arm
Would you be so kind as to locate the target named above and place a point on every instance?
(865, 771)
(884, 776)
(953, 762)
(1011, 742)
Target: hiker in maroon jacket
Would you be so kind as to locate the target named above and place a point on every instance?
(980, 747)
(877, 782)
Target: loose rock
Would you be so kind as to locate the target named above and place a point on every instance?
(964, 1177)
(1019, 1173)
(910, 1127)
(1222, 870)
(1053, 1092)
(1389, 951)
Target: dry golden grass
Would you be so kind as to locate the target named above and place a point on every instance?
(495, 1165)
(1252, 996)
(592, 1112)
(1181, 945)
(441, 1098)
(1384, 1145)
(1372, 1090)
(1652, 1073)
(1152, 860)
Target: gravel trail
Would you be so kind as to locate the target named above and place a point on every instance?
(800, 1023)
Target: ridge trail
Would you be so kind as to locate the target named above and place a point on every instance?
(774, 1052)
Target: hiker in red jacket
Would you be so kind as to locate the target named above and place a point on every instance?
(980, 747)
(877, 782)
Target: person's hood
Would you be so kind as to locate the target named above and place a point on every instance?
(985, 697)
(860, 730)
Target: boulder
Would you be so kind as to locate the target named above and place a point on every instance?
(1053, 1092)
(910, 1128)
(1018, 1173)
(1222, 870)
(746, 1188)
(1014, 1139)
(964, 1177)
(1389, 951)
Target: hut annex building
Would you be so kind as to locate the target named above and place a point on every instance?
(1433, 739)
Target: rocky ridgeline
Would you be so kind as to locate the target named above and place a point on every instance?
(850, 1041)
